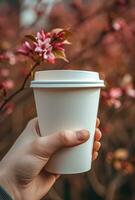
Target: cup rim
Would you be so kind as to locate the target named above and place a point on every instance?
(66, 78)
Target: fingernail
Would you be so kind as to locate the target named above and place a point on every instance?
(82, 135)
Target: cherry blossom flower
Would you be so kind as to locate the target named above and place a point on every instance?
(115, 102)
(8, 57)
(112, 97)
(8, 84)
(130, 92)
(26, 49)
(115, 92)
(46, 46)
(118, 24)
(11, 57)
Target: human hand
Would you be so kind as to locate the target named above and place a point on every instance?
(22, 171)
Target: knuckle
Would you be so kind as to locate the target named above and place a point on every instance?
(64, 137)
(40, 151)
(43, 156)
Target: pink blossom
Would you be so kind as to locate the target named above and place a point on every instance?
(115, 93)
(11, 57)
(46, 46)
(42, 35)
(112, 97)
(115, 102)
(48, 43)
(8, 84)
(127, 85)
(26, 49)
(58, 46)
(118, 24)
(131, 92)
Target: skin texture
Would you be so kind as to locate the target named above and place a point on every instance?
(22, 172)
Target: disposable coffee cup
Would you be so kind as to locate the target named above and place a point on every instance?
(68, 100)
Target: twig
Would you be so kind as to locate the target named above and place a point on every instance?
(98, 187)
(20, 89)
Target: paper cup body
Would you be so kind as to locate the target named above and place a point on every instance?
(68, 100)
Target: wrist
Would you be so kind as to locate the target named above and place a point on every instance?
(5, 193)
(8, 185)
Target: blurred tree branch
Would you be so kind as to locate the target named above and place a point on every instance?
(9, 98)
(99, 188)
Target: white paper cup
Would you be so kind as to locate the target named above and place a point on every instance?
(68, 100)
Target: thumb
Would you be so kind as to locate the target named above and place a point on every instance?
(44, 147)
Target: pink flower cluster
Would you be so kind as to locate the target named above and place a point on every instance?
(46, 46)
(113, 96)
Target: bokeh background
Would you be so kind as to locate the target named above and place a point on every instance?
(103, 40)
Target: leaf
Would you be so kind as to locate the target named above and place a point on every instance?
(60, 55)
(31, 37)
(66, 32)
(67, 42)
(57, 30)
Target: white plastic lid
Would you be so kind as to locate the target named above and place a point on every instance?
(66, 79)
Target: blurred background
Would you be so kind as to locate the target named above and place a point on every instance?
(103, 40)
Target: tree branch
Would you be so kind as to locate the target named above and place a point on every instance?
(9, 98)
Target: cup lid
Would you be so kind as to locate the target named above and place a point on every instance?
(66, 78)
